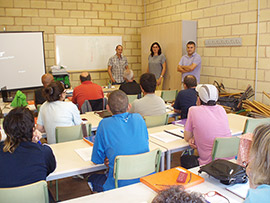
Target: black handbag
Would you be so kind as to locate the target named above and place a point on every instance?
(227, 172)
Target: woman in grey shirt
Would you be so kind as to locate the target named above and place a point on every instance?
(157, 64)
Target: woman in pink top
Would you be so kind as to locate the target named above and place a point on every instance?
(205, 122)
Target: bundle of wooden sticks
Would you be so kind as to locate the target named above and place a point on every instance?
(257, 108)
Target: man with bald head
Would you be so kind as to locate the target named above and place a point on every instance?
(86, 91)
(46, 79)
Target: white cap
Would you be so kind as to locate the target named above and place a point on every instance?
(207, 92)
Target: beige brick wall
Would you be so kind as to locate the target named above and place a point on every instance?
(98, 17)
(233, 66)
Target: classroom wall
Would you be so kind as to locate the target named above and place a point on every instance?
(233, 66)
(78, 17)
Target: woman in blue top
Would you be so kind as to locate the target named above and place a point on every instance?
(259, 167)
(157, 64)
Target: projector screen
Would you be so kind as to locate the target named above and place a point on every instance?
(22, 60)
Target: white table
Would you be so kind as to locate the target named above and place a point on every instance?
(141, 193)
(172, 147)
(92, 118)
(69, 163)
(237, 123)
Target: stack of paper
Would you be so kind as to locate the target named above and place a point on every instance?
(164, 137)
(85, 153)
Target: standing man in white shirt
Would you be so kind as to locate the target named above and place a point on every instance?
(117, 64)
(190, 64)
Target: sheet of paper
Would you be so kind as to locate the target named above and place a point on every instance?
(85, 153)
(177, 131)
(240, 190)
(164, 137)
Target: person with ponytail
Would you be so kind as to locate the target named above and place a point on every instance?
(55, 112)
(23, 160)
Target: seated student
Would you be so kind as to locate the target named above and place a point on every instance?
(86, 91)
(131, 87)
(177, 194)
(55, 112)
(150, 104)
(122, 134)
(23, 160)
(205, 122)
(258, 169)
(46, 79)
(187, 97)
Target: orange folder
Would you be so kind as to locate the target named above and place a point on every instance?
(162, 180)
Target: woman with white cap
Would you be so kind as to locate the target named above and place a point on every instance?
(205, 122)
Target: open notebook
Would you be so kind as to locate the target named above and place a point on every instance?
(164, 179)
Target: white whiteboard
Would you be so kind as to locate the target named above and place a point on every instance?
(21, 59)
(85, 52)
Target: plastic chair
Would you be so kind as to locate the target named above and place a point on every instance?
(251, 124)
(168, 95)
(128, 167)
(38, 107)
(69, 133)
(225, 147)
(153, 121)
(131, 98)
(35, 192)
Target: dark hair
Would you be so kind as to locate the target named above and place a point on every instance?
(148, 82)
(177, 194)
(209, 103)
(87, 78)
(118, 102)
(151, 49)
(190, 81)
(18, 126)
(118, 46)
(53, 91)
(191, 42)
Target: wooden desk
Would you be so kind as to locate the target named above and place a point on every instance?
(92, 118)
(69, 163)
(141, 193)
(172, 147)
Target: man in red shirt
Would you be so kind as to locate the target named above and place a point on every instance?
(86, 91)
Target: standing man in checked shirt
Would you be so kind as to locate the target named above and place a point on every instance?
(117, 64)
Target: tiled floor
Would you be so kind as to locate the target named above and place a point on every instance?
(70, 188)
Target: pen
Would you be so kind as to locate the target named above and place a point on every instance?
(162, 185)
(166, 131)
(190, 178)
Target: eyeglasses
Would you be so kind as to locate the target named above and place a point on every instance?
(213, 193)
(155, 47)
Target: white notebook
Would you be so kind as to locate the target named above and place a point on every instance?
(164, 137)
(85, 153)
(240, 190)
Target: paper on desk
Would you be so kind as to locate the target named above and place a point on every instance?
(240, 190)
(177, 131)
(164, 137)
(85, 153)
